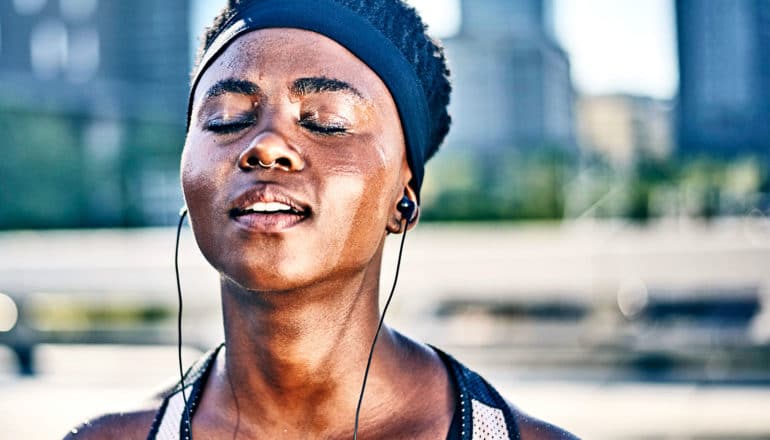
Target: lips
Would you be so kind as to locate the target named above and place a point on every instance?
(266, 209)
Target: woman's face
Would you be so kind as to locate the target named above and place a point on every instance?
(302, 102)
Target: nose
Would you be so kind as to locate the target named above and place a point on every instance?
(269, 150)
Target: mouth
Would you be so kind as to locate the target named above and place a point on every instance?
(264, 210)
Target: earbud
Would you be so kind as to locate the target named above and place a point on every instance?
(407, 208)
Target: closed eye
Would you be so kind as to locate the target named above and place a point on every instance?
(325, 129)
(221, 126)
(327, 125)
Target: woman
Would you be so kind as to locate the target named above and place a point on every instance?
(308, 128)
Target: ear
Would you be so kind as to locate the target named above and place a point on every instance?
(396, 220)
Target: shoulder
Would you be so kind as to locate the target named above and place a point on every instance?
(531, 428)
(136, 423)
(123, 425)
(130, 424)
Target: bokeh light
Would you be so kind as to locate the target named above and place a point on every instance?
(9, 313)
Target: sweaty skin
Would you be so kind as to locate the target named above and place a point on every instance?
(300, 289)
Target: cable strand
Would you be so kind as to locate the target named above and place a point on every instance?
(377, 333)
(182, 374)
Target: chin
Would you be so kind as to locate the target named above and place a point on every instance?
(275, 276)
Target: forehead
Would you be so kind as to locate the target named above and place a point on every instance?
(281, 55)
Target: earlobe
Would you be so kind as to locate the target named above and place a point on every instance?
(394, 225)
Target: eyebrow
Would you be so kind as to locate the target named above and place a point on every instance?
(307, 86)
(232, 85)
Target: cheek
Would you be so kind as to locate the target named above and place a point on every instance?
(360, 181)
(193, 179)
(353, 226)
(201, 173)
(201, 176)
(358, 204)
(346, 197)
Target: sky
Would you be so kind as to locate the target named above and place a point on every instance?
(626, 46)
(619, 45)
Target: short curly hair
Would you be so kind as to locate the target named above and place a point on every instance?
(401, 24)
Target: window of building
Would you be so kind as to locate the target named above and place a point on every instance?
(83, 60)
(28, 7)
(103, 140)
(78, 10)
(48, 48)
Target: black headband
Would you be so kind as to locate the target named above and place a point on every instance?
(356, 34)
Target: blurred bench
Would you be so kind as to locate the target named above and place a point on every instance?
(102, 287)
(80, 318)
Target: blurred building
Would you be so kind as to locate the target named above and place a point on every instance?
(107, 80)
(511, 79)
(101, 58)
(724, 69)
(623, 127)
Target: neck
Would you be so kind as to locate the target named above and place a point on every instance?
(299, 356)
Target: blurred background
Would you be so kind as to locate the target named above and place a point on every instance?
(595, 236)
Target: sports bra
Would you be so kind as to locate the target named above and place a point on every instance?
(480, 412)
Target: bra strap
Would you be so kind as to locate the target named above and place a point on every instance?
(485, 414)
(167, 424)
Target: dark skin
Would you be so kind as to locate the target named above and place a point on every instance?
(300, 289)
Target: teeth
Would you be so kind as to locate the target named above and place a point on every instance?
(268, 207)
